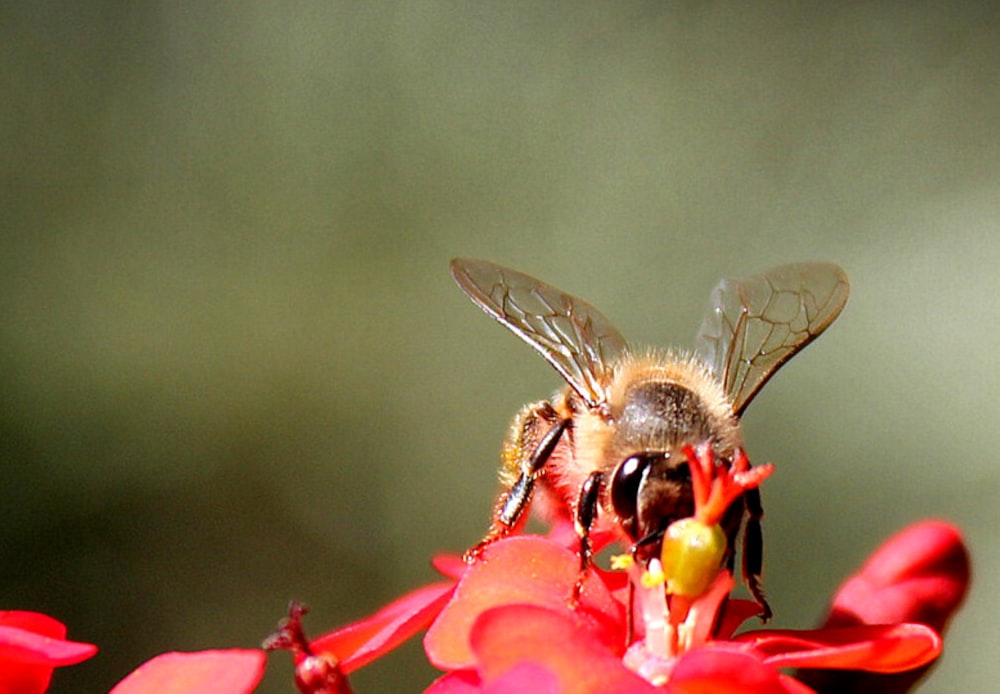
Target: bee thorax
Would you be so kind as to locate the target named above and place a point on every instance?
(662, 415)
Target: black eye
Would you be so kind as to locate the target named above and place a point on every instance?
(626, 482)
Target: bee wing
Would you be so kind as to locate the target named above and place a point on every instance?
(571, 334)
(757, 324)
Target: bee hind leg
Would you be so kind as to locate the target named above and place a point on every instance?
(509, 510)
(753, 551)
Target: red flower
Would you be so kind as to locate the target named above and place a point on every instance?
(32, 645)
(508, 625)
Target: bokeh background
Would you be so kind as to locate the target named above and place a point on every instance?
(233, 366)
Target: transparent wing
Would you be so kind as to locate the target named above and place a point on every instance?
(571, 334)
(757, 324)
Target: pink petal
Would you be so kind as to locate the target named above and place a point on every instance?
(361, 642)
(563, 533)
(507, 639)
(919, 575)
(724, 669)
(872, 648)
(456, 682)
(705, 609)
(522, 570)
(525, 677)
(31, 646)
(205, 672)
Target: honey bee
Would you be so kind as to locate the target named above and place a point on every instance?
(607, 449)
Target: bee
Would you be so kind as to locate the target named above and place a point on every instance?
(606, 450)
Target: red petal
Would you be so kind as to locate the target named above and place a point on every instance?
(507, 639)
(793, 686)
(724, 669)
(919, 575)
(34, 622)
(450, 566)
(734, 613)
(359, 643)
(205, 672)
(872, 648)
(31, 646)
(522, 570)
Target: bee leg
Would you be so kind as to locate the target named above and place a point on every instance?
(753, 550)
(586, 514)
(653, 539)
(511, 505)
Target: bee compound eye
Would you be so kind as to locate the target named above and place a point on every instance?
(625, 484)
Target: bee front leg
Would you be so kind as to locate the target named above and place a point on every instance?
(586, 514)
(536, 432)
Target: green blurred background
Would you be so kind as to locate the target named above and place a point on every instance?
(235, 370)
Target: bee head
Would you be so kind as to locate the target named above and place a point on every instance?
(648, 492)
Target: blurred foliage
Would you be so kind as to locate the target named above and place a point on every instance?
(235, 371)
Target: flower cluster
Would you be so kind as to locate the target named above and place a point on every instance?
(519, 618)
(522, 618)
